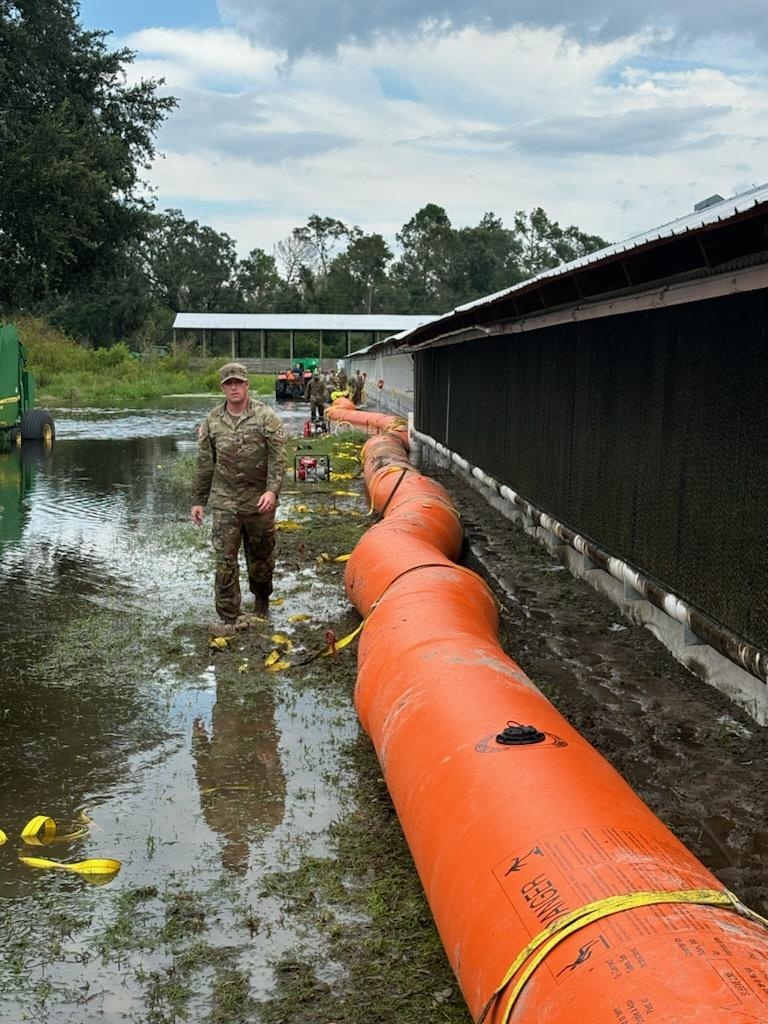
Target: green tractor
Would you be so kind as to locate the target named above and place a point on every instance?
(19, 420)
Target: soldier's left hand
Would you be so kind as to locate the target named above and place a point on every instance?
(267, 502)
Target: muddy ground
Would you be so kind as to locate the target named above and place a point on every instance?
(692, 755)
(306, 906)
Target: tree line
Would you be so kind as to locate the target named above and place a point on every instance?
(81, 241)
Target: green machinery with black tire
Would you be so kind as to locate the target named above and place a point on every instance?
(19, 419)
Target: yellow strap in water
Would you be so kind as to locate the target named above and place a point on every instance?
(94, 866)
(543, 944)
(41, 831)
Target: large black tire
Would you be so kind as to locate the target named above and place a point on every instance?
(37, 425)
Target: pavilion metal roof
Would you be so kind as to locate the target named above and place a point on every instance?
(394, 322)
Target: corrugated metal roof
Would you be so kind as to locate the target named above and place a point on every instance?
(300, 321)
(717, 213)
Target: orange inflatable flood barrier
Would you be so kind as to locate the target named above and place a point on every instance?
(558, 895)
(344, 411)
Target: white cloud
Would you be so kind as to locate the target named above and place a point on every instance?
(220, 55)
(605, 136)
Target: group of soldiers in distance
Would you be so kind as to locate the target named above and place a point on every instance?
(323, 387)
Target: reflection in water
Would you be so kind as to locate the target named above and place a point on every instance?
(103, 594)
(80, 546)
(238, 769)
(18, 468)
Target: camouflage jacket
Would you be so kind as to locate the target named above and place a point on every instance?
(239, 457)
(315, 390)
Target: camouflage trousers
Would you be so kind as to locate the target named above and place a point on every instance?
(257, 535)
(316, 408)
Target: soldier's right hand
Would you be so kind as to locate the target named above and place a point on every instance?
(198, 511)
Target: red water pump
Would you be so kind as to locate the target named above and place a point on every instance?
(314, 427)
(309, 468)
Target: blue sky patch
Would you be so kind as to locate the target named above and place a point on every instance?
(654, 65)
(125, 18)
(393, 86)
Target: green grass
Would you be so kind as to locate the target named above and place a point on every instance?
(389, 950)
(68, 373)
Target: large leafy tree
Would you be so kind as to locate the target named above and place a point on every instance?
(105, 309)
(542, 243)
(487, 259)
(258, 282)
(190, 266)
(75, 137)
(424, 273)
(321, 236)
(358, 276)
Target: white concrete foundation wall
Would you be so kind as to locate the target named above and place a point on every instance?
(395, 370)
(702, 660)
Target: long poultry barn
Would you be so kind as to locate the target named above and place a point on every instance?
(618, 404)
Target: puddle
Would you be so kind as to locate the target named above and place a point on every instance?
(201, 772)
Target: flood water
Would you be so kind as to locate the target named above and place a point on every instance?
(114, 713)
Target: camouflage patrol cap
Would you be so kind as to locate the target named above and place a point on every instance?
(232, 371)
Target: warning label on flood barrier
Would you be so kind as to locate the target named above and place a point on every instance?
(564, 872)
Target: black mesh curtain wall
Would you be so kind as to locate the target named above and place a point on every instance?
(647, 433)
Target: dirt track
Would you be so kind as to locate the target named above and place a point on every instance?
(693, 756)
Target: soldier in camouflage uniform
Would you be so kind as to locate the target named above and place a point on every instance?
(357, 388)
(315, 395)
(241, 462)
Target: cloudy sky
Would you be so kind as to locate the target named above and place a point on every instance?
(616, 117)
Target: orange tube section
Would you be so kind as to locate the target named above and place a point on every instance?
(509, 839)
(364, 420)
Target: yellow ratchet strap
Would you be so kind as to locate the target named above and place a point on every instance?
(387, 472)
(339, 645)
(543, 944)
(94, 866)
(41, 831)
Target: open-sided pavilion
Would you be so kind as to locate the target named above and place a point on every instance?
(266, 340)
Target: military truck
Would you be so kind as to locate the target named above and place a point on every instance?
(292, 383)
(19, 419)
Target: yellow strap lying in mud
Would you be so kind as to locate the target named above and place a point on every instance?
(3, 837)
(94, 866)
(543, 944)
(339, 645)
(325, 559)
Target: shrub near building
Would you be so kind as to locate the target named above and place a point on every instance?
(67, 372)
